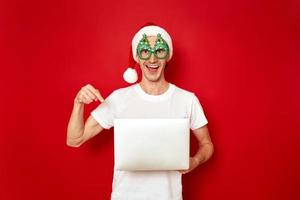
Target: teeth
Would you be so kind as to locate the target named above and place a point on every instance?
(152, 66)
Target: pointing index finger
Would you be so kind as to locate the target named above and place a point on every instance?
(96, 93)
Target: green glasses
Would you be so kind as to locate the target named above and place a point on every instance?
(160, 49)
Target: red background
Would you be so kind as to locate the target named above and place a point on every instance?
(241, 58)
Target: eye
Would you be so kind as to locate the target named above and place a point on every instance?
(144, 51)
(160, 53)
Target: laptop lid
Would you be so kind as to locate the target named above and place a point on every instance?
(151, 144)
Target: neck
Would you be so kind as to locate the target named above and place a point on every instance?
(154, 88)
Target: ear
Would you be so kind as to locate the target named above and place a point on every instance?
(138, 60)
(167, 58)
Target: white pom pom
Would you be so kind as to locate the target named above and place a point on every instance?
(130, 75)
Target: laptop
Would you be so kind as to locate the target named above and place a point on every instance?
(151, 144)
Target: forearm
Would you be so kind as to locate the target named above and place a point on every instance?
(76, 122)
(204, 152)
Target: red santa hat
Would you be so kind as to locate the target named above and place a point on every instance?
(150, 29)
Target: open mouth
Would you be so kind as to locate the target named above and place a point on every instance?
(152, 67)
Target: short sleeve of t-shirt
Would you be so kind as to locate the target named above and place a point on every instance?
(198, 118)
(104, 113)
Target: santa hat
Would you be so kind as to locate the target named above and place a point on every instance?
(130, 75)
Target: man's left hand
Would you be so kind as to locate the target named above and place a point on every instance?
(194, 162)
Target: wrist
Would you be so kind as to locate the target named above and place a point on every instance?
(197, 159)
(77, 102)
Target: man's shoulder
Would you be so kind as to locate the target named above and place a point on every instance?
(124, 90)
(183, 92)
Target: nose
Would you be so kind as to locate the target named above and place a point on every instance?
(152, 58)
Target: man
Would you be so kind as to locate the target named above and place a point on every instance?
(153, 97)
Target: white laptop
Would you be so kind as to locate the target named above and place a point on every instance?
(151, 144)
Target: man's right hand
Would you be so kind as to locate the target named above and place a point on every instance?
(88, 94)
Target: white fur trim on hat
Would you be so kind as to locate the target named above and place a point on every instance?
(130, 75)
(151, 31)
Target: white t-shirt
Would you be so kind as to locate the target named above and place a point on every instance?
(133, 102)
